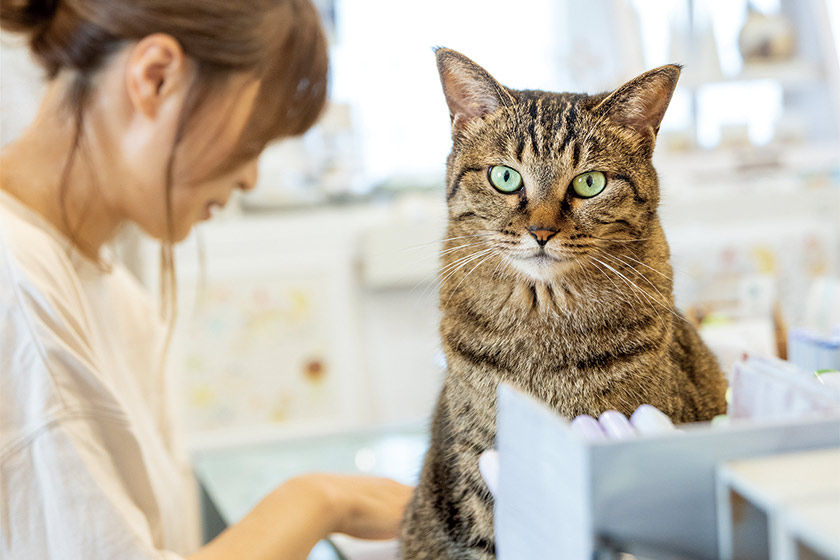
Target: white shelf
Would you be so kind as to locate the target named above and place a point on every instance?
(790, 73)
(773, 507)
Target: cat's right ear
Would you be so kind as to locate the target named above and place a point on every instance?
(470, 91)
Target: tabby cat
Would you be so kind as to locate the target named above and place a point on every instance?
(555, 278)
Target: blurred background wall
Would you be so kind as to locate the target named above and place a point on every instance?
(311, 305)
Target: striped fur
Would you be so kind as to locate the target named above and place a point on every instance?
(585, 324)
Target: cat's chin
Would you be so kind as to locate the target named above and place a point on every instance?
(542, 268)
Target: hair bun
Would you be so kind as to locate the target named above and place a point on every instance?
(27, 16)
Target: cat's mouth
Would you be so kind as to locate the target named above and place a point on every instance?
(539, 264)
(541, 256)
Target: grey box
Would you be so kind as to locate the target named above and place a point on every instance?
(562, 497)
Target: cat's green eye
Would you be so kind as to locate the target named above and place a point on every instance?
(589, 184)
(505, 179)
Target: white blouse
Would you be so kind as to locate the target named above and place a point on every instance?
(89, 465)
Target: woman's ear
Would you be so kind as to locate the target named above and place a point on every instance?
(156, 69)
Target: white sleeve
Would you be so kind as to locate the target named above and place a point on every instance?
(62, 495)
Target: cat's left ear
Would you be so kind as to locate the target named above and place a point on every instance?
(640, 103)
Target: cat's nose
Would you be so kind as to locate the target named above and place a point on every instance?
(541, 234)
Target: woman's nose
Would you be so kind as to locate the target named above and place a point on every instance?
(248, 177)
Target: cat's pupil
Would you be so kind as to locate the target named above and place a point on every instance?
(589, 180)
(507, 176)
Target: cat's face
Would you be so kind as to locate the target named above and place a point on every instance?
(552, 181)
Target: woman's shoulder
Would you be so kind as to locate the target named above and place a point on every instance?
(35, 253)
(47, 363)
(31, 250)
(38, 278)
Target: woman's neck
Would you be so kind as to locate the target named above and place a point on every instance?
(34, 169)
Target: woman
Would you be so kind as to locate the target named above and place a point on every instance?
(154, 114)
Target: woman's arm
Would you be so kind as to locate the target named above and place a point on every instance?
(287, 523)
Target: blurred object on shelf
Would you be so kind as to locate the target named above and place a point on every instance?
(717, 266)
(788, 130)
(321, 166)
(708, 58)
(682, 140)
(769, 388)
(815, 343)
(730, 337)
(780, 330)
(734, 136)
(286, 177)
(753, 323)
(822, 307)
(814, 351)
(766, 38)
(336, 145)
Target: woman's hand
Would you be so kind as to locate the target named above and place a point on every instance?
(303, 510)
(365, 507)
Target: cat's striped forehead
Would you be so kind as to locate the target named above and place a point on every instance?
(546, 126)
(548, 122)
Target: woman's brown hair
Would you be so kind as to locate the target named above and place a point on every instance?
(280, 42)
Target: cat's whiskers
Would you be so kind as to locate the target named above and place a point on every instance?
(428, 278)
(498, 265)
(479, 234)
(436, 275)
(443, 253)
(442, 241)
(461, 265)
(621, 262)
(680, 270)
(619, 293)
(634, 288)
(454, 264)
(663, 302)
(674, 268)
(619, 259)
(492, 254)
(450, 269)
(615, 240)
(608, 267)
(452, 249)
(670, 305)
(663, 275)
